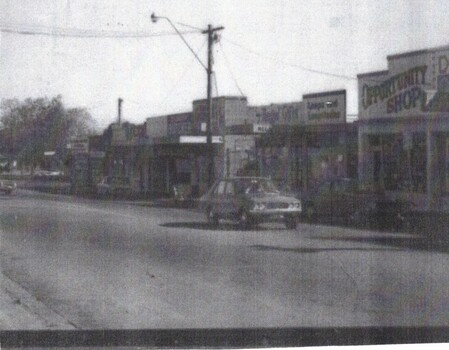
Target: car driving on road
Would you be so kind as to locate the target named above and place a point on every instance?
(249, 201)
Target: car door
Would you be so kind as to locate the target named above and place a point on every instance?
(218, 199)
(231, 200)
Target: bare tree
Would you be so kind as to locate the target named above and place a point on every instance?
(33, 126)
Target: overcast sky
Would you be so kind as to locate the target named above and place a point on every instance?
(272, 51)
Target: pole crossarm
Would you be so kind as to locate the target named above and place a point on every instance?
(212, 30)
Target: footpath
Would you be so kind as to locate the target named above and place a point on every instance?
(19, 310)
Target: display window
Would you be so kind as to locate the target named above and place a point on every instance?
(396, 167)
(418, 162)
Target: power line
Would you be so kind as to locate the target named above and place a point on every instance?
(23, 29)
(182, 76)
(216, 84)
(229, 68)
(346, 77)
(189, 26)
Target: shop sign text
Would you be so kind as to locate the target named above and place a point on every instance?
(401, 91)
(323, 110)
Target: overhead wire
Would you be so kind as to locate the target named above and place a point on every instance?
(182, 76)
(25, 29)
(311, 70)
(189, 26)
(215, 83)
(230, 70)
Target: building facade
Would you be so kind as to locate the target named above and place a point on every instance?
(171, 151)
(312, 144)
(403, 133)
(296, 144)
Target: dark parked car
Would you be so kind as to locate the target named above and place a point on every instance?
(249, 201)
(115, 187)
(342, 200)
(7, 186)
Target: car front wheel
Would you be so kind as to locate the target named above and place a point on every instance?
(212, 218)
(244, 220)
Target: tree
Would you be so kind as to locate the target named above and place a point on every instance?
(33, 126)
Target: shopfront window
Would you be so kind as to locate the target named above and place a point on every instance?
(418, 163)
(399, 164)
(394, 163)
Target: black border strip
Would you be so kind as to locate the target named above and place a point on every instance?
(226, 338)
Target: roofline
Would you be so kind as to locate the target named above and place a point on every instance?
(325, 93)
(235, 97)
(417, 52)
(274, 104)
(371, 74)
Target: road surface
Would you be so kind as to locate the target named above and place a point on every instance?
(71, 263)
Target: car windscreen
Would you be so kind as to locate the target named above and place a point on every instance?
(253, 186)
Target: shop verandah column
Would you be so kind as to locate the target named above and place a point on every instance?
(433, 181)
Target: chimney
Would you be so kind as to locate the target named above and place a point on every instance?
(120, 100)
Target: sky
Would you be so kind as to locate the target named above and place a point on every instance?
(271, 51)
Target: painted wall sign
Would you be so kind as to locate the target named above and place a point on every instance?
(133, 132)
(199, 139)
(325, 108)
(399, 91)
(261, 128)
(285, 113)
(406, 87)
(79, 146)
(179, 124)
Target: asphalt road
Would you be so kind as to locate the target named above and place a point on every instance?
(86, 264)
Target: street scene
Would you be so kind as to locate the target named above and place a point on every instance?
(265, 166)
(88, 264)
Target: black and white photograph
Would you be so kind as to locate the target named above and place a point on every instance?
(224, 174)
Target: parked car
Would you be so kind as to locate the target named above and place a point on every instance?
(114, 186)
(249, 201)
(7, 186)
(342, 200)
(48, 175)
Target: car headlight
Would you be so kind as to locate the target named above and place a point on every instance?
(295, 205)
(259, 206)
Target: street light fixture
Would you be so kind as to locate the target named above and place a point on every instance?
(154, 18)
(210, 39)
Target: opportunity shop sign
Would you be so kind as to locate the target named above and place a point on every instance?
(404, 91)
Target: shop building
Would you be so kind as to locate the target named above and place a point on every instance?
(310, 141)
(403, 135)
(170, 151)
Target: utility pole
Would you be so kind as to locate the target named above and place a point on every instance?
(211, 38)
(210, 151)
